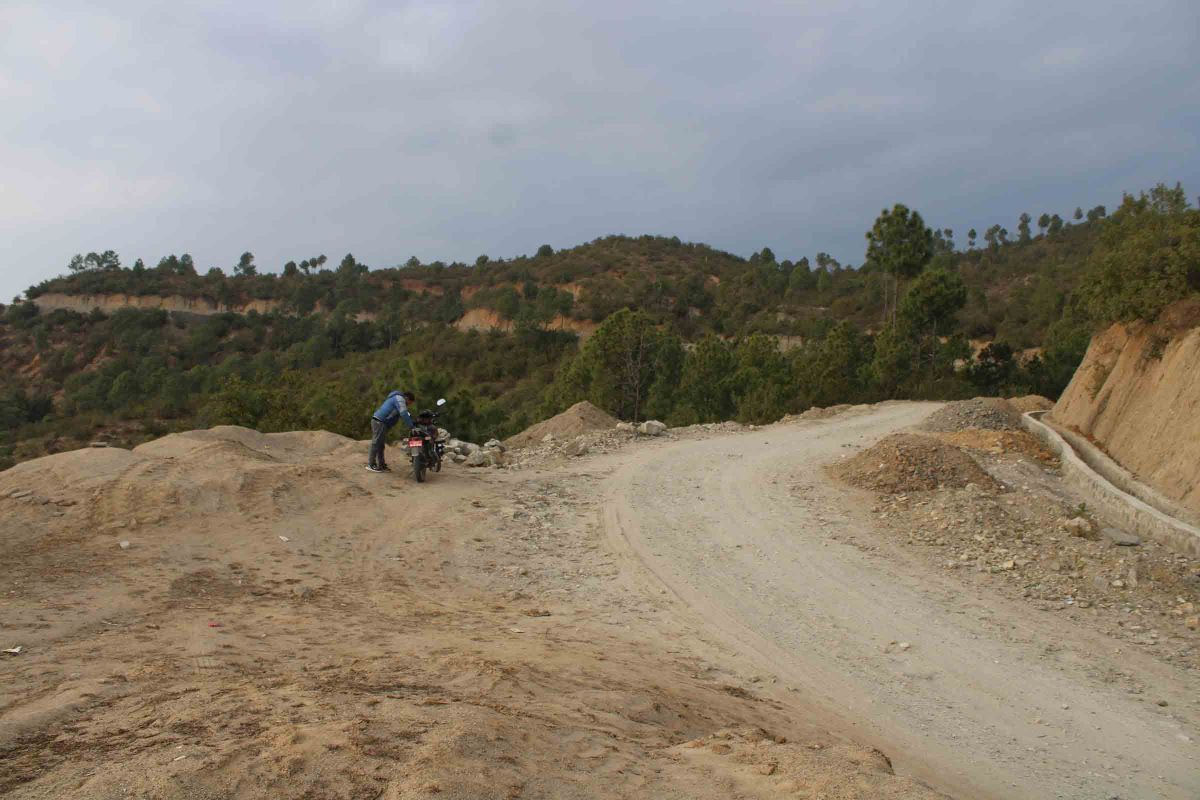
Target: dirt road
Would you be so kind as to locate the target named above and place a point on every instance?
(976, 695)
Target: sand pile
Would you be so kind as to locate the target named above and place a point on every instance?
(1031, 402)
(290, 446)
(905, 462)
(583, 417)
(988, 413)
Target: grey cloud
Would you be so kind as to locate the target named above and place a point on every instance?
(447, 130)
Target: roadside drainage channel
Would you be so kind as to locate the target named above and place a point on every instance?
(1113, 502)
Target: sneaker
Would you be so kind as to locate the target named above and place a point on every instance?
(373, 468)
(384, 468)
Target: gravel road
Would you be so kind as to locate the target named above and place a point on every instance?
(974, 694)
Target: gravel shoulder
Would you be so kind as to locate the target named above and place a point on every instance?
(975, 693)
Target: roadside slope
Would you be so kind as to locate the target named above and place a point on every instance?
(1137, 394)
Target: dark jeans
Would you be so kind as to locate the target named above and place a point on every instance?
(379, 433)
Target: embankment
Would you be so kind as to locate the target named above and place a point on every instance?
(1137, 395)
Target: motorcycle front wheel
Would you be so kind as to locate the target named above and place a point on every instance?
(419, 468)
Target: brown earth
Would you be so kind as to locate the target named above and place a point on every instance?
(1000, 443)
(697, 616)
(1031, 402)
(906, 462)
(583, 417)
(283, 624)
(1137, 395)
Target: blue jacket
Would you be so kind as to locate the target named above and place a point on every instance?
(393, 410)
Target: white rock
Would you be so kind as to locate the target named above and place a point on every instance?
(626, 427)
(125, 545)
(493, 444)
(652, 427)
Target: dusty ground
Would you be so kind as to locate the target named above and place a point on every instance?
(706, 615)
(285, 624)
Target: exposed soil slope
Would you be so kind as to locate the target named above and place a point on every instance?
(1137, 394)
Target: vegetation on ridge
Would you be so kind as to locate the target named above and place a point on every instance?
(687, 333)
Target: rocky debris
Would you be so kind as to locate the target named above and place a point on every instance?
(728, 426)
(988, 413)
(1000, 443)
(652, 427)
(1079, 526)
(1031, 402)
(1021, 539)
(905, 462)
(1121, 538)
(817, 412)
(581, 418)
(489, 457)
(578, 447)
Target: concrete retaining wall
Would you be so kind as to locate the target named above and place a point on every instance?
(1119, 506)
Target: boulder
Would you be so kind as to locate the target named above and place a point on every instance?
(477, 458)
(1120, 537)
(578, 447)
(493, 444)
(626, 427)
(652, 427)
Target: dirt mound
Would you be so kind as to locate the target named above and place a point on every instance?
(583, 417)
(236, 440)
(905, 462)
(1031, 402)
(988, 413)
(999, 443)
(73, 468)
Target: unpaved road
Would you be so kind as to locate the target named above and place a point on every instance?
(988, 699)
(700, 617)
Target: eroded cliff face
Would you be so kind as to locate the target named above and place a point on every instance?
(1137, 394)
(174, 302)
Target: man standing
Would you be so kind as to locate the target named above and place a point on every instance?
(394, 408)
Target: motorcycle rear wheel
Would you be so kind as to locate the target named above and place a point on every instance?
(419, 468)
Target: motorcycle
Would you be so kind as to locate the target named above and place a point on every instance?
(425, 446)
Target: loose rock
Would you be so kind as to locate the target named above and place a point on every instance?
(1120, 537)
(652, 427)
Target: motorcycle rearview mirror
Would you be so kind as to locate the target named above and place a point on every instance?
(441, 401)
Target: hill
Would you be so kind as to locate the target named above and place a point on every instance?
(133, 352)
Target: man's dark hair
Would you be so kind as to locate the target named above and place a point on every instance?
(409, 396)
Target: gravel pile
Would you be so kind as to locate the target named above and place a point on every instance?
(987, 413)
(905, 462)
(1145, 595)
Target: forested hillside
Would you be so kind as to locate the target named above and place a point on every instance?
(686, 332)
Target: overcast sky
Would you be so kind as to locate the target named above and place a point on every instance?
(447, 130)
